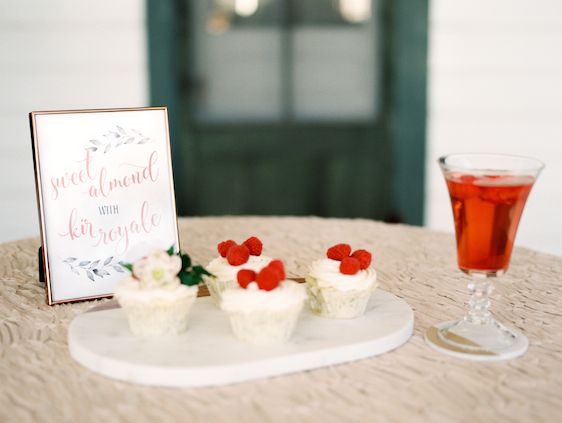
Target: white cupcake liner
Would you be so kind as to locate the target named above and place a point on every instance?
(216, 287)
(158, 316)
(335, 304)
(265, 327)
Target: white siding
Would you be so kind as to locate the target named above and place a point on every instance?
(60, 54)
(495, 85)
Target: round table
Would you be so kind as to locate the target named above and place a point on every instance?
(40, 381)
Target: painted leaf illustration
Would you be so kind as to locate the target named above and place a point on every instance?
(100, 272)
(144, 141)
(96, 268)
(92, 149)
(96, 142)
(107, 148)
(121, 130)
(129, 140)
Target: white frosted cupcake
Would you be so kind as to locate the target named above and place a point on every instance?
(340, 285)
(265, 307)
(154, 299)
(233, 257)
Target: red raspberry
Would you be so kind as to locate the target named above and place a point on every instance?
(245, 276)
(364, 258)
(279, 267)
(224, 246)
(339, 252)
(468, 179)
(237, 255)
(254, 245)
(268, 278)
(349, 266)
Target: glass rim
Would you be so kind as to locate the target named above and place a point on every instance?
(538, 164)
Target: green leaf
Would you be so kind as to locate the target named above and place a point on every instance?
(200, 270)
(127, 266)
(184, 278)
(185, 261)
(171, 250)
(189, 279)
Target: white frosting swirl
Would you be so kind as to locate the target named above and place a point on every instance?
(130, 289)
(224, 271)
(327, 274)
(286, 295)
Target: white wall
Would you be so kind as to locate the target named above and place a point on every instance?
(60, 54)
(495, 85)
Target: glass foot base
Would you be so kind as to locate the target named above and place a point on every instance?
(479, 342)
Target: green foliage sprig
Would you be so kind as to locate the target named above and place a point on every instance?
(189, 274)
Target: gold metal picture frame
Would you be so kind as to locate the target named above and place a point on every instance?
(109, 135)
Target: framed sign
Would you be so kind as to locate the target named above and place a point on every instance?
(105, 194)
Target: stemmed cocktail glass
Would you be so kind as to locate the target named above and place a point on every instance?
(488, 193)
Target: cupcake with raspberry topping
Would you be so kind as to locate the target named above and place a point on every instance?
(265, 306)
(340, 285)
(232, 258)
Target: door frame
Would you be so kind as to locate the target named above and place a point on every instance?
(404, 82)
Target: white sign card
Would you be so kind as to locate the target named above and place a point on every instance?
(105, 194)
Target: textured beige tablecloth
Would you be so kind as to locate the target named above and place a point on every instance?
(40, 382)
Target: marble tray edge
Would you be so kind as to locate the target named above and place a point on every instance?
(236, 373)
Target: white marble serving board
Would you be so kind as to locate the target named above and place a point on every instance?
(208, 354)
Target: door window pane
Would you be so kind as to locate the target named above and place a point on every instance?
(272, 60)
(237, 60)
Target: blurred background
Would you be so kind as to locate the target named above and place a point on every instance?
(334, 108)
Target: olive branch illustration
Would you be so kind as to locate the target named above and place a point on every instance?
(94, 268)
(116, 138)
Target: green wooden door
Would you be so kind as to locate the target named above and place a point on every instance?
(294, 107)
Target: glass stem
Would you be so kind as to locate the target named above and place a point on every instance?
(480, 288)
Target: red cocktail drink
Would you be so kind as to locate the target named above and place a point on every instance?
(487, 209)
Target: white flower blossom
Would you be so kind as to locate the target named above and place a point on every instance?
(158, 270)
